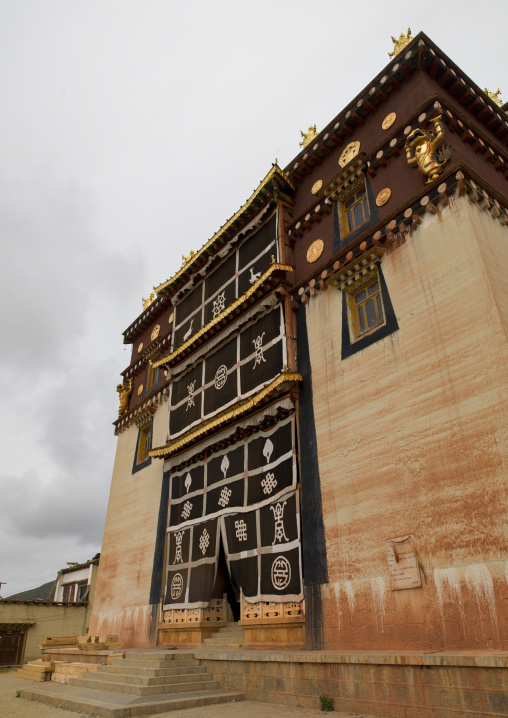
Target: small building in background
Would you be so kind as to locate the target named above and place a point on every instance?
(59, 607)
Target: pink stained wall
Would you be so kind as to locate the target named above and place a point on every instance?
(412, 437)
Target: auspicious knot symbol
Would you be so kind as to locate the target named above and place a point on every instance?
(258, 346)
(204, 541)
(176, 586)
(269, 483)
(224, 496)
(241, 530)
(278, 515)
(221, 376)
(186, 511)
(178, 554)
(190, 398)
(281, 573)
(219, 304)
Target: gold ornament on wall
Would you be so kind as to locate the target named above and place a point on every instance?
(383, 196)
(155, 332)
(140, 347)
(401, 43)
(171, 317)
(140, 389)
(349, 153)
(308, 136)
(147, 302)
(124, 391)
(422, 150)
(315, 250)
(494, 96)
(388, 121)
(317, 186)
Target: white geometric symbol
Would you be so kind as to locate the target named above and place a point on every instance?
(224, 496)
(254, 277)
(178, 555)
(189, 330)
(188, 482)
(258, 346)
(176, 586)
(186, 511)
(225, 465)
(204, 541)
(241, 530)
(190, 398)
(268, 450)
(278, 515)
(219, 304)
(281, 573)
(221, 376)
(269, 483)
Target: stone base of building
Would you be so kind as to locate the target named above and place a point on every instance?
(74, 655)
(274, 633)
(400, 685)
(188, 635)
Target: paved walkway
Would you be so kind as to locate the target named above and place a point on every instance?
(12, 707)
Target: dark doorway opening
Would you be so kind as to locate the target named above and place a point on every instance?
(223, 585)
(11, 646)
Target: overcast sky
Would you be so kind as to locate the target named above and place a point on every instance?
(130, 132)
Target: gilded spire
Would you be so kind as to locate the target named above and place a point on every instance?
(401, 43)
(308, 136)
(494, 96)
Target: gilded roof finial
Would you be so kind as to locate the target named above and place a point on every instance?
(494, 96)
(401, 43)
(308, 136)
(147, 302)
(188, 259)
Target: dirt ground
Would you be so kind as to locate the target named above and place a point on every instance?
(13, 707)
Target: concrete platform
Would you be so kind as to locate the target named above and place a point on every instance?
(117, 705)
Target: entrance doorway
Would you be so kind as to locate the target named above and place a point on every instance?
(11, 646)
(223, 585)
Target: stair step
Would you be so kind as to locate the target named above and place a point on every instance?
(137, 690)
(177, 663)
(113, 705)
(223, 641)
(194, 667)
(150, 680)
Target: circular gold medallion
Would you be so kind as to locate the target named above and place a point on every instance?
(389, 120)
(170, 317)
(155, 331)
(383, 196)
(316, 186)
(315, 250)
(140, 347)
(349, 153)
(140, 389)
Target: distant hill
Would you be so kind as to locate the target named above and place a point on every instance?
(44, 592)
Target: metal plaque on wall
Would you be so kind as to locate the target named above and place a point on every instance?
(403, 563)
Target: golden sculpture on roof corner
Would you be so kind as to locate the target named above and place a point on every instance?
(124, 391)
(401, 43)
(308, 136)
(147, 302)
(494, 96)
(421, 150)
(188, 259)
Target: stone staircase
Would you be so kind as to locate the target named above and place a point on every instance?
(143, 683)
(230, 636)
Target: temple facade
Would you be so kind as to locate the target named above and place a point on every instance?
(313, 427)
